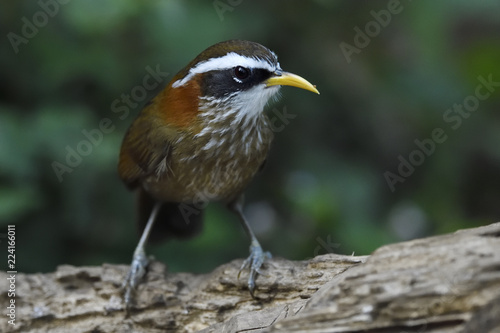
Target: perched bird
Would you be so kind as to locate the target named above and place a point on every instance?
(203, 138)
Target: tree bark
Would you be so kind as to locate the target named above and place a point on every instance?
(447, 283)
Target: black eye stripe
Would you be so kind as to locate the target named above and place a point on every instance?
(241, 72)
(219, 83)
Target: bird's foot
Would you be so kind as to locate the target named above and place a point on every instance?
(254, 263)
(134, 276)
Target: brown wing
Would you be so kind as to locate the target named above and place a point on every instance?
(149, 140)
(146, 144)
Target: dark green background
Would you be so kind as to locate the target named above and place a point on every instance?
(323, 189)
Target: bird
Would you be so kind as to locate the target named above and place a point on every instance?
(202, 139)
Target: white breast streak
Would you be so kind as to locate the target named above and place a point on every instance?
(230, 60)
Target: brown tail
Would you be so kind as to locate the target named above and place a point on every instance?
(174, 219)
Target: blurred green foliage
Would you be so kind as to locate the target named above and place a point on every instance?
(324, 188)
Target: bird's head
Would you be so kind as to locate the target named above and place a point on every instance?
(235, 78)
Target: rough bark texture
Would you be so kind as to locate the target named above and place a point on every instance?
(447, 283)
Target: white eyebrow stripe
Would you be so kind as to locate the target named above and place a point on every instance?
(230, 60)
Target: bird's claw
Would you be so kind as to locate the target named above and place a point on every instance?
(254, 263)
(134, 276)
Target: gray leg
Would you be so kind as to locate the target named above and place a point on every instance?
(257, 255)
(139, 260)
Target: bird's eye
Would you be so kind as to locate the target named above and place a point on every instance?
(241, 73)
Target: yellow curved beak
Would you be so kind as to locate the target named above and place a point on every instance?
(289, 79)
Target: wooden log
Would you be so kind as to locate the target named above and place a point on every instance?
(448, 283)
